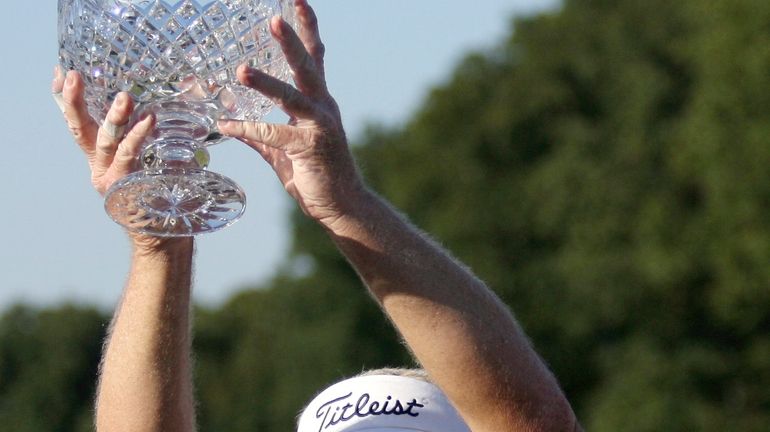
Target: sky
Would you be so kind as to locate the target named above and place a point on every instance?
(58, 245)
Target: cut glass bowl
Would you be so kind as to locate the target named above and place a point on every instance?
(177, 60)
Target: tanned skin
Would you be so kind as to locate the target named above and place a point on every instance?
(457, 328)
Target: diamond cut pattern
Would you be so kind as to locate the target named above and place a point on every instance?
(152, 47)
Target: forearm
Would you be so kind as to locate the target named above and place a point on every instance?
(145, 382)
(456, 327)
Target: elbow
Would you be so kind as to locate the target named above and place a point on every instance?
(551, 413)
(556, 416)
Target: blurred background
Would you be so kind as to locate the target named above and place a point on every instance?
(603, 165)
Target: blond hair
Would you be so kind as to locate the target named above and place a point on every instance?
(415, 373)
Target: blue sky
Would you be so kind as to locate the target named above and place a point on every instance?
(58, 244)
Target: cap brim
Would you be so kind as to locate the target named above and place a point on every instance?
(381, 403)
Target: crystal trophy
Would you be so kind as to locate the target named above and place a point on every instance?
(177, 60)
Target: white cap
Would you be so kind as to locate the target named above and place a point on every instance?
(381, 403)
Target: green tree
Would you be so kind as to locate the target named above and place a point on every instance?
(603, 169)
(48, 363)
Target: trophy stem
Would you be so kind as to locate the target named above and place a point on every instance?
(182, 132)
(174, 153)
(174, 195)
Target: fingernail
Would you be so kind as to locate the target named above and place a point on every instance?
(243, 69)
(251, 74)
(148, 120)
(144, 125)
(277, 26)
(121, 100)
(70, 79)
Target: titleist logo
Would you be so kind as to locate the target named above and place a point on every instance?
(341, 409)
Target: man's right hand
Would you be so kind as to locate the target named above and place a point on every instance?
(111, 153)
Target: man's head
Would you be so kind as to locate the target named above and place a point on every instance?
(383, 401)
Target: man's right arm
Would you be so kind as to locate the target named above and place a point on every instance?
(145, 375)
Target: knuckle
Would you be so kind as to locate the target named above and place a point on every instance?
(78, 132)
(288, 96)
(137, 134)
(70, 97)
(74, 102)
(317, 135)
(246, 130)
(106, 145)
(308, 64)
(117, 115)
(242, 128)
(320, 49)
(326, 119)
(124, 155)
(312, 20)
(270, 133)
(134, 134)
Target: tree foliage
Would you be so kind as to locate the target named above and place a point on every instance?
(48, 363)
(603, 169)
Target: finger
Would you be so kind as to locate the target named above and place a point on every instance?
(309, 34)
(301, 63)
(283, 137)
(124, 161)
(81, 125)
(284, 95)
(111, 133)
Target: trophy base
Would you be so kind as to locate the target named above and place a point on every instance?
(175, 202)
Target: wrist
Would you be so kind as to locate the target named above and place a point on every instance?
(350, 211)
(143, 246)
